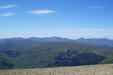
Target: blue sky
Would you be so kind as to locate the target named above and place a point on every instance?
(63, 18)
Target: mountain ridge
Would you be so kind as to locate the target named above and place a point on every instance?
(103, 42)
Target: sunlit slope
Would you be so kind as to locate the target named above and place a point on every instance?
(79, 70)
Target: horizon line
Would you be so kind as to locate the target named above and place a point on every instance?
(58, 37)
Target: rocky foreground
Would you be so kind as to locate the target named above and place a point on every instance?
(79, 70)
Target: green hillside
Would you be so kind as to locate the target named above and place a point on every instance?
(55, 54)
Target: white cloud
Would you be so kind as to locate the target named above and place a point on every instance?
(7, 14)
(8, 6)
(39, 12)
(96, 7)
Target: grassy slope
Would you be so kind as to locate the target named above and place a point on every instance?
(79, 70)
(52, 55)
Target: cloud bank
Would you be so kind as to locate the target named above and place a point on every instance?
(40, 12)
(8, 6)
(7, 14)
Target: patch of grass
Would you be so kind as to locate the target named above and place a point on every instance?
(79, 70)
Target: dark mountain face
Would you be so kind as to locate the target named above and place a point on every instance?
(53, 52)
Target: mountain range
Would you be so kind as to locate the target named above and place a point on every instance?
(103, 42)
(54, 52)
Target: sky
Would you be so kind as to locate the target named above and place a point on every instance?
(62, 18)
